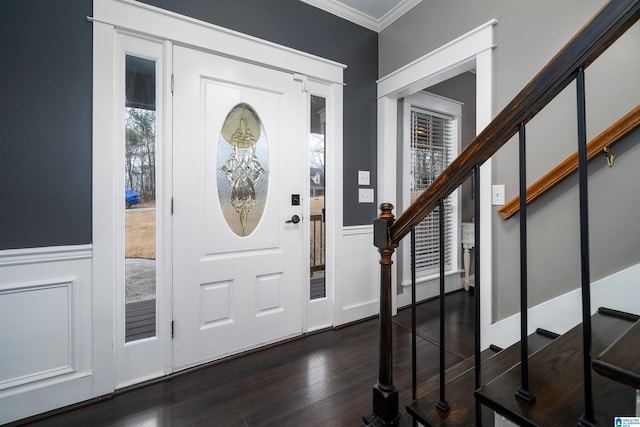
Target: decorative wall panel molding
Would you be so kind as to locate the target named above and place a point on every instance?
(45, 329)
(37, 330)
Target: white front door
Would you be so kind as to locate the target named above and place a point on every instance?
(239, 152)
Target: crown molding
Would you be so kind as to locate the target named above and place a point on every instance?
(350, 14)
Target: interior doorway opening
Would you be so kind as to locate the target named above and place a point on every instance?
(469, 52)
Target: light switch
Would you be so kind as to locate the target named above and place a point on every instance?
(497, 195)
(364, 178)
(365, 195)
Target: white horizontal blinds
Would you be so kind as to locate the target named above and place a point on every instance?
(432, 139)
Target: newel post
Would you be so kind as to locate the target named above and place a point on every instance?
(385, 395)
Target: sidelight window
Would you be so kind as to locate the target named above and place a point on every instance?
(317, 230)
(140, 198)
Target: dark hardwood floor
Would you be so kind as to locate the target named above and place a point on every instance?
(323, 379)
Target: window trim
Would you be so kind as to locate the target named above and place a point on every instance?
(439, 106)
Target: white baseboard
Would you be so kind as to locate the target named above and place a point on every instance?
(618, 291)
(431, 288)
(360, 311)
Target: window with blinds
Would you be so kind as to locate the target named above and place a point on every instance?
(431, 148)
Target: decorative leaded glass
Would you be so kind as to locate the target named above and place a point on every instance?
(242, 170)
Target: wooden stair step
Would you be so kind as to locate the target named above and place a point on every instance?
(556, 380)
(621, 360)
(460, 385)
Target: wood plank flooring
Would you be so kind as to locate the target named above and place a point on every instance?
(323, 379)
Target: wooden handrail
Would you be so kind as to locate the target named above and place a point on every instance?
(606, 139)
(613, 19)
(595, 37)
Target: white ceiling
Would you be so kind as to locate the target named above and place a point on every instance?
(373, 14)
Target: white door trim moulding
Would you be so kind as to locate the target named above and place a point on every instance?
(134, 16)
(438, 65)
(139, 20)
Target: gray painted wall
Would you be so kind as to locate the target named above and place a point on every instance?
(527, 35)
(297, 25)
(45, 116)
(45, 104)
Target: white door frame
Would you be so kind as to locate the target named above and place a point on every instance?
(319, 313)
(113, 17)
(470, 51)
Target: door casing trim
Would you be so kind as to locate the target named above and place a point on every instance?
(470, 51)
(113, 17)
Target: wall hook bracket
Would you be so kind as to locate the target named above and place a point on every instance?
(610, 156)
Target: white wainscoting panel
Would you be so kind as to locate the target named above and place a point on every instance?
(45, 329)
(32, 318)
(358, 287)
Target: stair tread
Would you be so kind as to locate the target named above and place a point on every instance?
(556, 380)
(460, 385)
(621, 361)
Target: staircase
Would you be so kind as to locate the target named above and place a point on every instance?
(621, 361)
(557, 381)
(461, 382)
(542, 380)
(556, 371)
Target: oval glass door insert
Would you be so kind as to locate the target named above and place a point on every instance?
(242, 170)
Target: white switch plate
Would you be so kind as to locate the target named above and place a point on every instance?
(497, 195)
(365, 195)
(364, 178)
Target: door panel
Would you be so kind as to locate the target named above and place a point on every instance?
(234, 291)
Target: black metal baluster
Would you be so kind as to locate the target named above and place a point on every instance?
(413, 315)
(315, 260)
(476, 293)
(442, 404)
(588, 419)
(414, 344)
(523, 393)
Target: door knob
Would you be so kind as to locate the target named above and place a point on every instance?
(294, 219)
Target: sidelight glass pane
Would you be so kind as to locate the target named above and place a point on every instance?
(317, 139)
(140, 198)
(242, 169)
